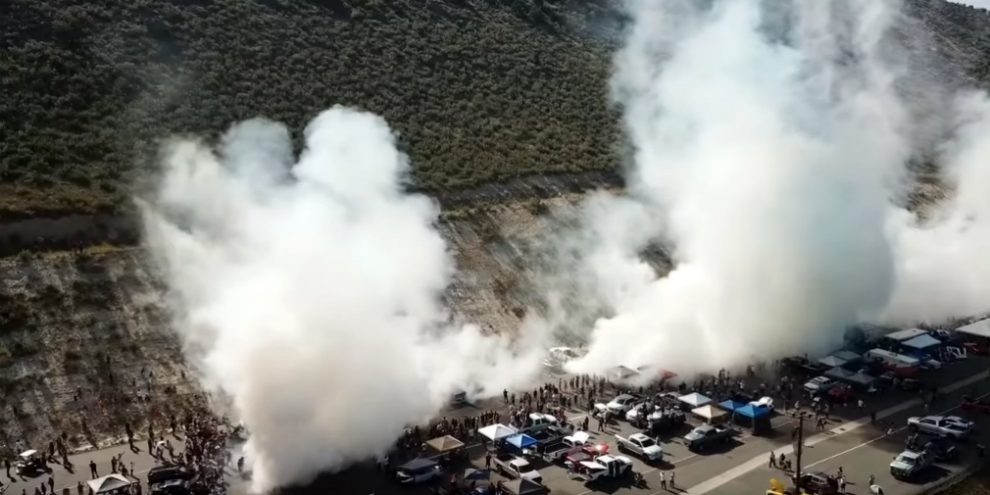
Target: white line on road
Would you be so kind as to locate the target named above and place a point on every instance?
(844, 452)
(758, 460)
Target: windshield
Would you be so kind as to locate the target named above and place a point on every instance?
(526, 468)
(905, 459)
(647, 442)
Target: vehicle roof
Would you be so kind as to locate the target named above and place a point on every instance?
(418, 463)
(704, 428)
(623, 396)
(910, 454)
(593, 465)
(638, 436)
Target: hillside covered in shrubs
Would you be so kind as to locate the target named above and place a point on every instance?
(479, 90)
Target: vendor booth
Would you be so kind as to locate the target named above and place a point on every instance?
(694, 400)
(497, 432)
(710, 414)
(110, 484)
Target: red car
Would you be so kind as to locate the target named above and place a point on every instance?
(574, 456)
(842, 394)
(979, 405)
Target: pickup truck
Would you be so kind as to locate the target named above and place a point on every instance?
(539, 422)
(606, 466)
(516, 467)
(705, 437)
(640, 445)
(557, 450)
(577, 455)
(819, 385)
(909, 464)
(938, 425)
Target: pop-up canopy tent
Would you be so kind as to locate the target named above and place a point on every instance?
(848, 356)
(752, 412)
(851, 377)
(521, 441)
(922, 342)
(832, 361)
(709, 413)
(522, 486)
(497, 432)
(111, 483)
(694, 399)
(731, 405)
(444, 444)
(979, 328)
(908, 334)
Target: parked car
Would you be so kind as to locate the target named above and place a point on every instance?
(705, 437)
(819, 483)
(619, 405)
(841, 394)
(978, 405)
(640, 445)
(584, 453)
(937, 425)
(960, 422)
(418, 470)
(538, 422)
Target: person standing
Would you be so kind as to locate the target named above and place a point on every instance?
(663, 481)
(773, 461)
(92, 469)
(488, 460)
(672, 485)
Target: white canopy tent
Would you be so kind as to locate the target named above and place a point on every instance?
(709, 413)
(109, 484)
(694, 399)
(922, 342)
(978, 328)
(908, 334)
(832, 361)
(497, 432)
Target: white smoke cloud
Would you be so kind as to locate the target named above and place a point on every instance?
(311, 293)
(771, 149)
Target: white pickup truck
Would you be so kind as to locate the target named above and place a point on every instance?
(938, 425)
(640, 445)
(606, 466)
(516, 467)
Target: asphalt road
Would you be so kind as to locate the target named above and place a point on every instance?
(850, 441)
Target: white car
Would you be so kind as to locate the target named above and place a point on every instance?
(641, 445)
(766, 402)
(577, 439)
(557, 357)
(621, 404)
(960, 422)
(938, 425)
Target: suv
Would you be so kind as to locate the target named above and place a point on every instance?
(908, 464)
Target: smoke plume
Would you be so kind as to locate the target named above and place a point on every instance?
(772, 142)
(310, 292)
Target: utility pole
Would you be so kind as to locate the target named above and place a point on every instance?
(797, 452)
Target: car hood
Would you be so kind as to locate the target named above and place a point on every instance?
(653, 450)
(693, 436)
(532, 476)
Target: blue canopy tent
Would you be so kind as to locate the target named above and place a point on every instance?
(752, 412)
(759, 417)
(521, 441)
(731, 405)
